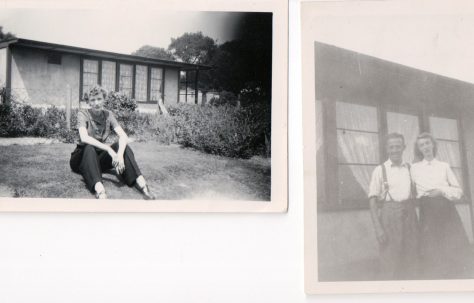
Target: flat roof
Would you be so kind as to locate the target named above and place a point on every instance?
(100, 54)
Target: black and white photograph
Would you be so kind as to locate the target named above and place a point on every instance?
(117, 104)
(392, 101)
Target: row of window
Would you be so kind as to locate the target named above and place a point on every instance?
(148, 80)
(359, 139)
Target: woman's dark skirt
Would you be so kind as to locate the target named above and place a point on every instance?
(445, 251)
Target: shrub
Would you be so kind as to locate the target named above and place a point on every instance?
(11, 122)
(225, 98)
(224, 130)
(120, 103)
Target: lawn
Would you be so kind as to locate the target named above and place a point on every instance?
(173, 173)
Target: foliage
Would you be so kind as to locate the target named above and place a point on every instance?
(193, 48)
(225, 130)
(154, 52)
(18, 120)
(5, 36)
(225, 98)
(222, 130)
(120, 103)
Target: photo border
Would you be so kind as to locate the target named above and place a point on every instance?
(309, 11)
(279, 150)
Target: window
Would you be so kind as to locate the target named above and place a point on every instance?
(446, 134)
(108, 75)
(355, 146)
(357, 149)
(126, 75)
(156, 83)
(141, 83)
(407, 125)
(54, 59)
(90, 74)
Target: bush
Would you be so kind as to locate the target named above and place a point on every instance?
(23, 120)
(119, 103)
(225, 98)
(224, 130)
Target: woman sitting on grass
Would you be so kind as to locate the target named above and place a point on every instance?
(93, 155)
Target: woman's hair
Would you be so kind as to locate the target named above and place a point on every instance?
(94, 91)
(418, 153)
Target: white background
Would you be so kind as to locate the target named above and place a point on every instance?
(172, 257)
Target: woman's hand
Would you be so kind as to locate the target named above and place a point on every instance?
(113, 155)
(435, 192)
(120, 167)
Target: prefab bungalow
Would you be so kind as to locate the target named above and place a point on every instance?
(359, 99)
(46, 73)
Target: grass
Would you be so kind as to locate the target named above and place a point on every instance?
(173, 173)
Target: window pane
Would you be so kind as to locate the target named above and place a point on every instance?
(354, 181)
(357, 147)
(156, 73)
(356, 117)
(444, 128)
(155, 83)
(91, 66)
(126, 79)
(141, 83)
(108, 75)
(449, 152)
(458, 173)
(90, 75)
(409, 127)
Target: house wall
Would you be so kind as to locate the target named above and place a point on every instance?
(3, 66)
(171, 85)
(37, 82)
(347, 247)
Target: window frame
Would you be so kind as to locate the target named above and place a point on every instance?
(117, 76)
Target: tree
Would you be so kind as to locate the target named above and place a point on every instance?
(193, 48)
(5, 36)
(153, 52)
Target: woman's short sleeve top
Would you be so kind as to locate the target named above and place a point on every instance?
(98, 124)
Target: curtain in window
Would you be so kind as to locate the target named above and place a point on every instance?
(155, 83)
(409, 127)
(445, 131)
(126, 71)
(108, 75)
(141, 77)
(358, 148)
(90, 74)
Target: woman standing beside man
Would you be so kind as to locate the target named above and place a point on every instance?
(444, 247)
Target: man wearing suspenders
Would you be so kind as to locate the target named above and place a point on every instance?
(393, 213)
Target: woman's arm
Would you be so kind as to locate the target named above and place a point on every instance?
(85, 138)
(453, 191)
(123, 140)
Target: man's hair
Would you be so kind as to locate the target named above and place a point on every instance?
(394, 136)
(94, 91)
(418, 154)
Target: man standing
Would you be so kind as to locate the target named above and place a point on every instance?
(393, 213)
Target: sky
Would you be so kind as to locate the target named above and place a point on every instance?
(121, 30)
(435, 39)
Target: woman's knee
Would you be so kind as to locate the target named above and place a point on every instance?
(128, 150)
(89, 149)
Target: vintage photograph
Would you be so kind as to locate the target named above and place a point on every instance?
(393, 110)
(139, 105)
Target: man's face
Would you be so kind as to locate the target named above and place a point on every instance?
(395, 148)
